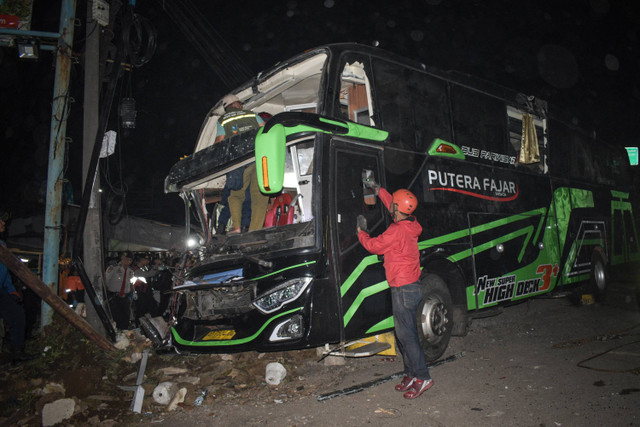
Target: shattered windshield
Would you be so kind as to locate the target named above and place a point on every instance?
(219, 181)
(229, 223)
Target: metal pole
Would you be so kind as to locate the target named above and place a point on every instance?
(60, 111)
(92, 249)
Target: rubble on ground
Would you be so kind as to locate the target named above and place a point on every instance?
(70, 368)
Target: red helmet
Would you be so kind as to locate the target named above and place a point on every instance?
(405, 200)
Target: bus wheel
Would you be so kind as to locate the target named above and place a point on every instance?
(434, 317)
(598, 275)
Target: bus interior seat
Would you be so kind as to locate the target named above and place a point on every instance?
(280, 211)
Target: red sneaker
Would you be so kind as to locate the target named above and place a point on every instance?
(405, 383)
(417, 388)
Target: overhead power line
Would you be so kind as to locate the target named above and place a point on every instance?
(215, 51)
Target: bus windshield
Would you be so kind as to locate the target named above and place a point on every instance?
(208, 177)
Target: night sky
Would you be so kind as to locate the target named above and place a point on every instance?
(582, 56)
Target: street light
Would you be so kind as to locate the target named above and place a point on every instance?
(27, 49)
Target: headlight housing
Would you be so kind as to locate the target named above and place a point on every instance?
(281, 295)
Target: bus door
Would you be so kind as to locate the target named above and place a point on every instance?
(364, 292)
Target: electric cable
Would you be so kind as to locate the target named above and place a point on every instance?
(634, 370)
(233, 62)
(135, 30)
(218, 55)
(614, 335)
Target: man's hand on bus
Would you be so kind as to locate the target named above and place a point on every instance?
(370, 183)
(362, 224)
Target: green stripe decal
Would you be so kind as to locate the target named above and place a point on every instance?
(382, 325)
(366, 292)
(485, 227)
(245, 340)
(366, 261)
(284, 269)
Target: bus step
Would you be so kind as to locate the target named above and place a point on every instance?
(365, 350)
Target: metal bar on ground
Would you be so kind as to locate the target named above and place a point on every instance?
(360, 387)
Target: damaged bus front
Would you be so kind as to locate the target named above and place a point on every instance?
(272, 288)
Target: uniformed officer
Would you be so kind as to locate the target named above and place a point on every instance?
(118, 279)
(236, 120)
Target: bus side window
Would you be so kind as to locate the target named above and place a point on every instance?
(355, 93)
(479, 122)
(516, 129)
(413, 107)
(571, 153)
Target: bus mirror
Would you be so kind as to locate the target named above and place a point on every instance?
(367, 181)
(270, 151)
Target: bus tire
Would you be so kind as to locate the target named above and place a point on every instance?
(599, 275)
(434, 318)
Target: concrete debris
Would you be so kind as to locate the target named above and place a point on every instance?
(130, 377)
(55, 412)
(178, 398)
(275, 373)
(133, 357)
(188, 379)
(171, 370)
(122, 341)
(164, 392)
(53, 388)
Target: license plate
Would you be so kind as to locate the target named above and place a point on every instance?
(223, 334)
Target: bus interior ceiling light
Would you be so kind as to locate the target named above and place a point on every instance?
(27, 49)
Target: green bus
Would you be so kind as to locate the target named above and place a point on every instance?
(515, 202)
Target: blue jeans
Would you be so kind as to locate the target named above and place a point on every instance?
(405, 300)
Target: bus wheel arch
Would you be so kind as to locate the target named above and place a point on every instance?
(599, 274)
(434, 318)
(453, 279)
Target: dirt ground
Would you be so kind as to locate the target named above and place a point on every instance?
(545, 362)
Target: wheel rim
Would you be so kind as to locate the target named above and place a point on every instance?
(433, 319)
(599, 275)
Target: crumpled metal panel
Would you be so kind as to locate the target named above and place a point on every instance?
(218, 157)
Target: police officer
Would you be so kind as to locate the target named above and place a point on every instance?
(118, 279)
(236, 120)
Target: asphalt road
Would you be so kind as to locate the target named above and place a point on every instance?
(545, 362)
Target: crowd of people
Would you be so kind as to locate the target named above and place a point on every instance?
(135, 290)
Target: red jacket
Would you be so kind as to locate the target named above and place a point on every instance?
(399, 245)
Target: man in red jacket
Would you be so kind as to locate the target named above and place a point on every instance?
(399, 245)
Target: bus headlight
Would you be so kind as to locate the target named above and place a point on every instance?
(281, 295)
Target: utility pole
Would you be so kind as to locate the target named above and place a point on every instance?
(60, 112)
(92, 248)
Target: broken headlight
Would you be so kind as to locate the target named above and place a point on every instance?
(281, 295)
